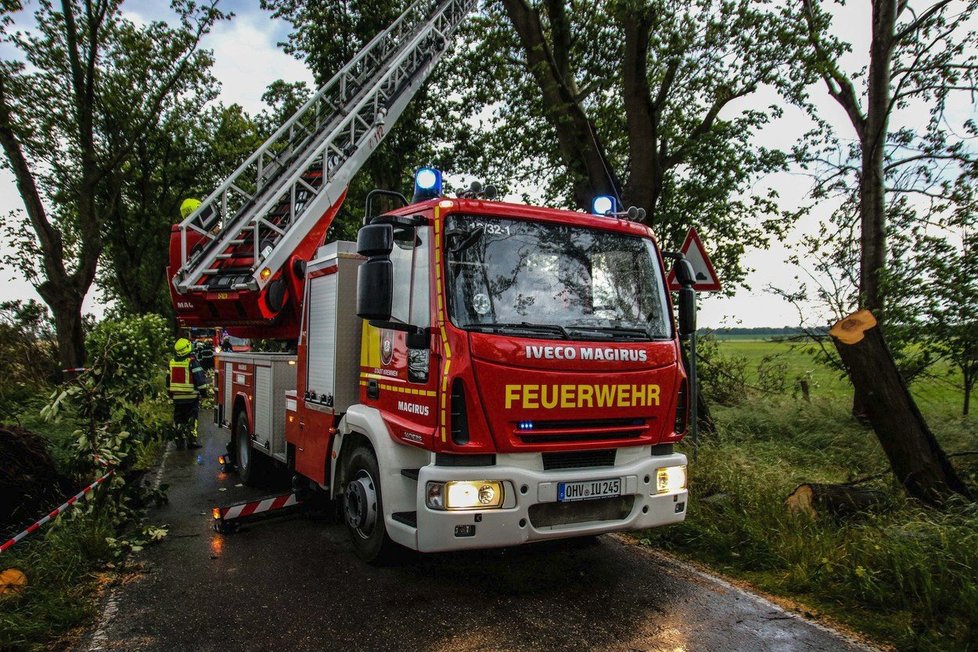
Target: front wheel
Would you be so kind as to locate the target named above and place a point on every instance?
(363, 507)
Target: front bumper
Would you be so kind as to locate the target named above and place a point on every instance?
(519, 521)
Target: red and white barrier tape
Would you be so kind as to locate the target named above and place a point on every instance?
(71, 501)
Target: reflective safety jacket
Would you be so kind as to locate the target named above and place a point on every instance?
(186, 378)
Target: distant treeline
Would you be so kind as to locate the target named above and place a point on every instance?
(763, 332)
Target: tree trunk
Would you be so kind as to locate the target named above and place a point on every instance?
(872, 190)
(968, 386)
(577, 140)
(704, 419)
(66, 309)
(642, 113)
(916, 458)
(806, 390)
(834, 499)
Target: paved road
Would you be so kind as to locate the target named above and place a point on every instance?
(296, 584)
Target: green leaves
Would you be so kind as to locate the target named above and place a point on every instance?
(659, 84)
(124, 417)
(84, 89)
(129, 355)
(136, 541)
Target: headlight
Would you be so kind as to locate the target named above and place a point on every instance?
(466, 494)
(670, 479)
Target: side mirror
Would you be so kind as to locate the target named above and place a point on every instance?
(687, 310)
(375, 240)
(684, 272)
(375, 278)
(375, 289)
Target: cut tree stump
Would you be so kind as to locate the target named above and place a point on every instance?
(915, 456)
(834, 499)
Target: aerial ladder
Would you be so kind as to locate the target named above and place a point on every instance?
(238, 261)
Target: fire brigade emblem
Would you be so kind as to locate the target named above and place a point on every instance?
(386, 346)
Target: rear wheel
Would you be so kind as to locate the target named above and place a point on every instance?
(250, 464)
(363, 507)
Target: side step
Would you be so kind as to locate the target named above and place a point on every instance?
(410, 473)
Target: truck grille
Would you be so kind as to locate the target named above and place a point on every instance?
(584, 511)
(542, 432)
(578, 459)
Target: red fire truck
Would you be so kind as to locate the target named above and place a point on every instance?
(468, 374)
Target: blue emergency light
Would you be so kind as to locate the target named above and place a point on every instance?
(602, 205)
(427, 184)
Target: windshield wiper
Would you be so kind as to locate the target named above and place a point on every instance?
(611, 332)
(554, 329)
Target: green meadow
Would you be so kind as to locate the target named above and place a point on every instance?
(938, 392)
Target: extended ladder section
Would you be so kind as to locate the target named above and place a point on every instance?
(240, 238)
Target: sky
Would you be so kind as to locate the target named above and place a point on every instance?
(248, 58)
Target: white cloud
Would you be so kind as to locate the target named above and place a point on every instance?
(247, 59)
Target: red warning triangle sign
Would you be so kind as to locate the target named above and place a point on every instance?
(706, 277)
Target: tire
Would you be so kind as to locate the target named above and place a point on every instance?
(363, 508)
(251, 464)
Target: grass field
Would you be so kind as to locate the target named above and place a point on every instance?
(939, 393)
(906, 575)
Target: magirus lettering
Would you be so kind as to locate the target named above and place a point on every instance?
(412, 408)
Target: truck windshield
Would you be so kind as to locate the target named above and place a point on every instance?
(539, 279)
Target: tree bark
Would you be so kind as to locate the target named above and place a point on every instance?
(642, 113)
(68, 324)
(917, 460)
(872, 190)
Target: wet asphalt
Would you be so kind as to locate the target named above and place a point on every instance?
(294, 583)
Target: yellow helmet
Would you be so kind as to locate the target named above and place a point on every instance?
(183, 347)
(188, 206)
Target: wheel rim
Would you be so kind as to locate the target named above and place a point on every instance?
(361, 504)
(244, 450)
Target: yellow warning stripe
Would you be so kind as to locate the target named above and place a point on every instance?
(402, 390)
(443, 412)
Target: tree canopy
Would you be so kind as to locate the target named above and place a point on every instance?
(86, 89)
(639, 100)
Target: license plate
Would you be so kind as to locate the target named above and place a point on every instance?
(588, 490)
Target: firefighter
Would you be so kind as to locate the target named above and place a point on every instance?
(188, 206)
(185, 382)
